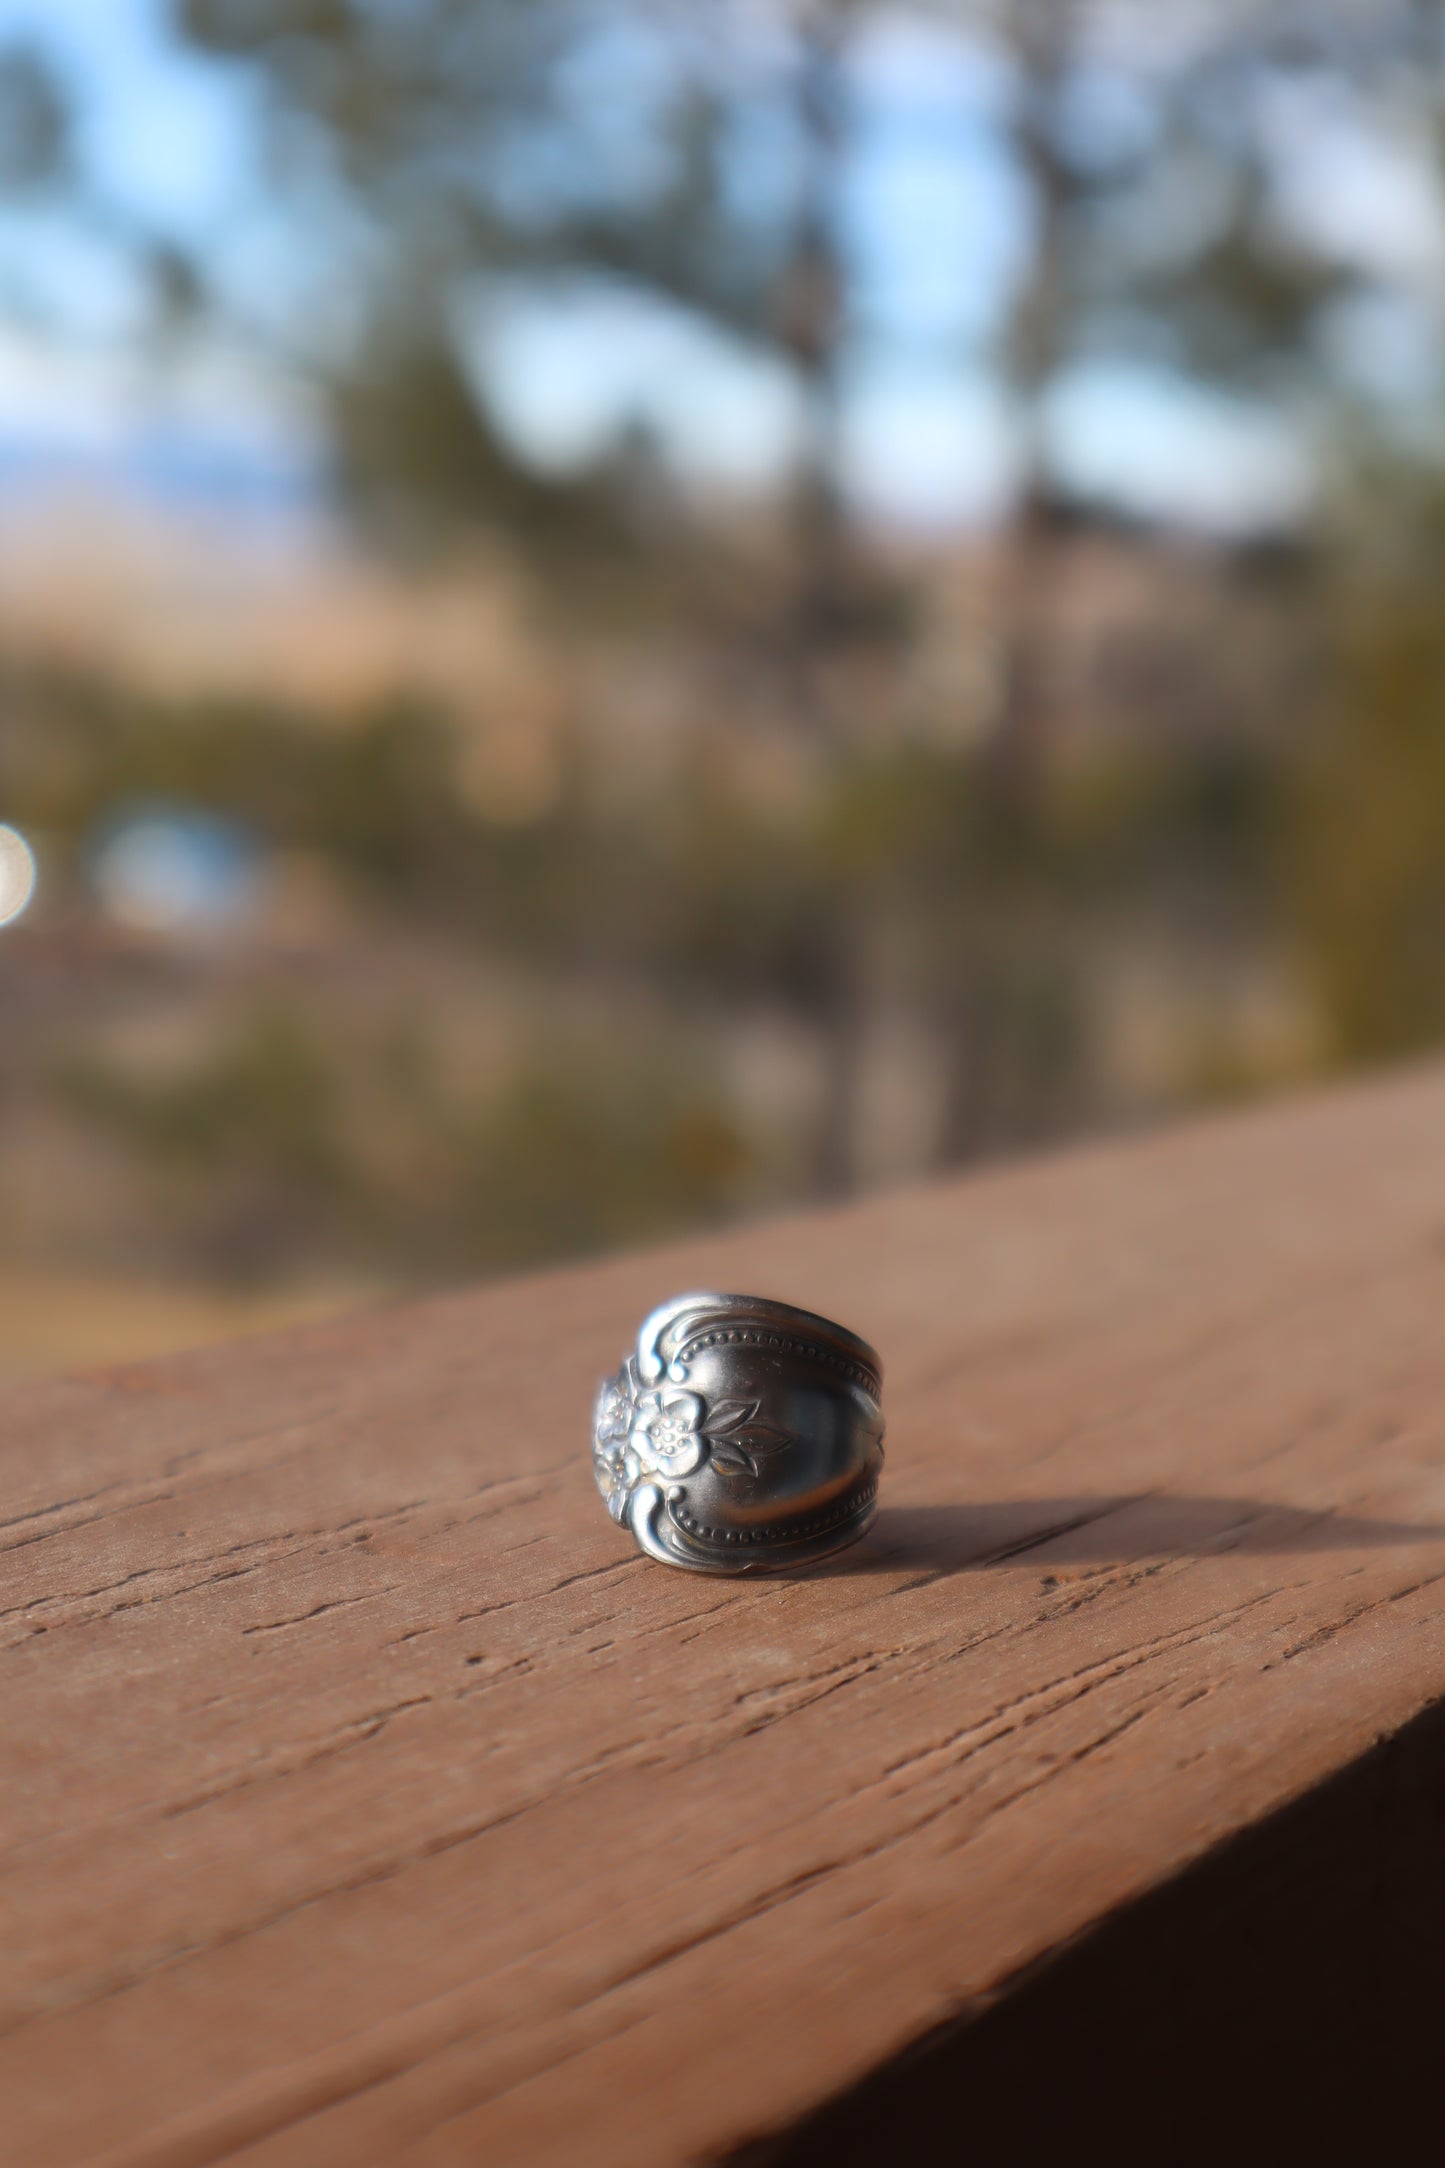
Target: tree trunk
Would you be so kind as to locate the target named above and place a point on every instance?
(974, 1014)
(818, 623)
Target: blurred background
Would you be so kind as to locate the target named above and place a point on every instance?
(614, 613)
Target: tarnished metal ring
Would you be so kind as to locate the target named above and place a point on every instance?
(742, 1437)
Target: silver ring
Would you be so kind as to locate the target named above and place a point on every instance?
(743, 1436)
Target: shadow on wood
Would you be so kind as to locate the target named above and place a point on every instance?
(1110, 1531)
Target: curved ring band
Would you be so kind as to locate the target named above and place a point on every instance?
(742, 1437)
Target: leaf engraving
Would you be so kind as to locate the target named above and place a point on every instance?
(728, 1415)
(736, 1438)
(730, 1455)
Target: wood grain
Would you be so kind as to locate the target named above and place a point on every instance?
(366, 1798)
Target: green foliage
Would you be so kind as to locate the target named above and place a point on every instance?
(286, 1143)
(1369, 850)
(593, 1146)
(265, 1101)
(244, 1140)
(421, 459)
(650, 931)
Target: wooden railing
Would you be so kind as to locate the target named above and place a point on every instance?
(367, 1798)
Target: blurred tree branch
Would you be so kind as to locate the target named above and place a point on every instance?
(35, 134)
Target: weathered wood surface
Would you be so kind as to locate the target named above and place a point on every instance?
(366, 1798)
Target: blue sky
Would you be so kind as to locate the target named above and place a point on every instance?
(168, 135)
(928, 437)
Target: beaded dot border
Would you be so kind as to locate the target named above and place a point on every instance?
(857, 1373)
(848, 1508)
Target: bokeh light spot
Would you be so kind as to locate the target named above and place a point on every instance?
(17, 874)
(173, 871)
